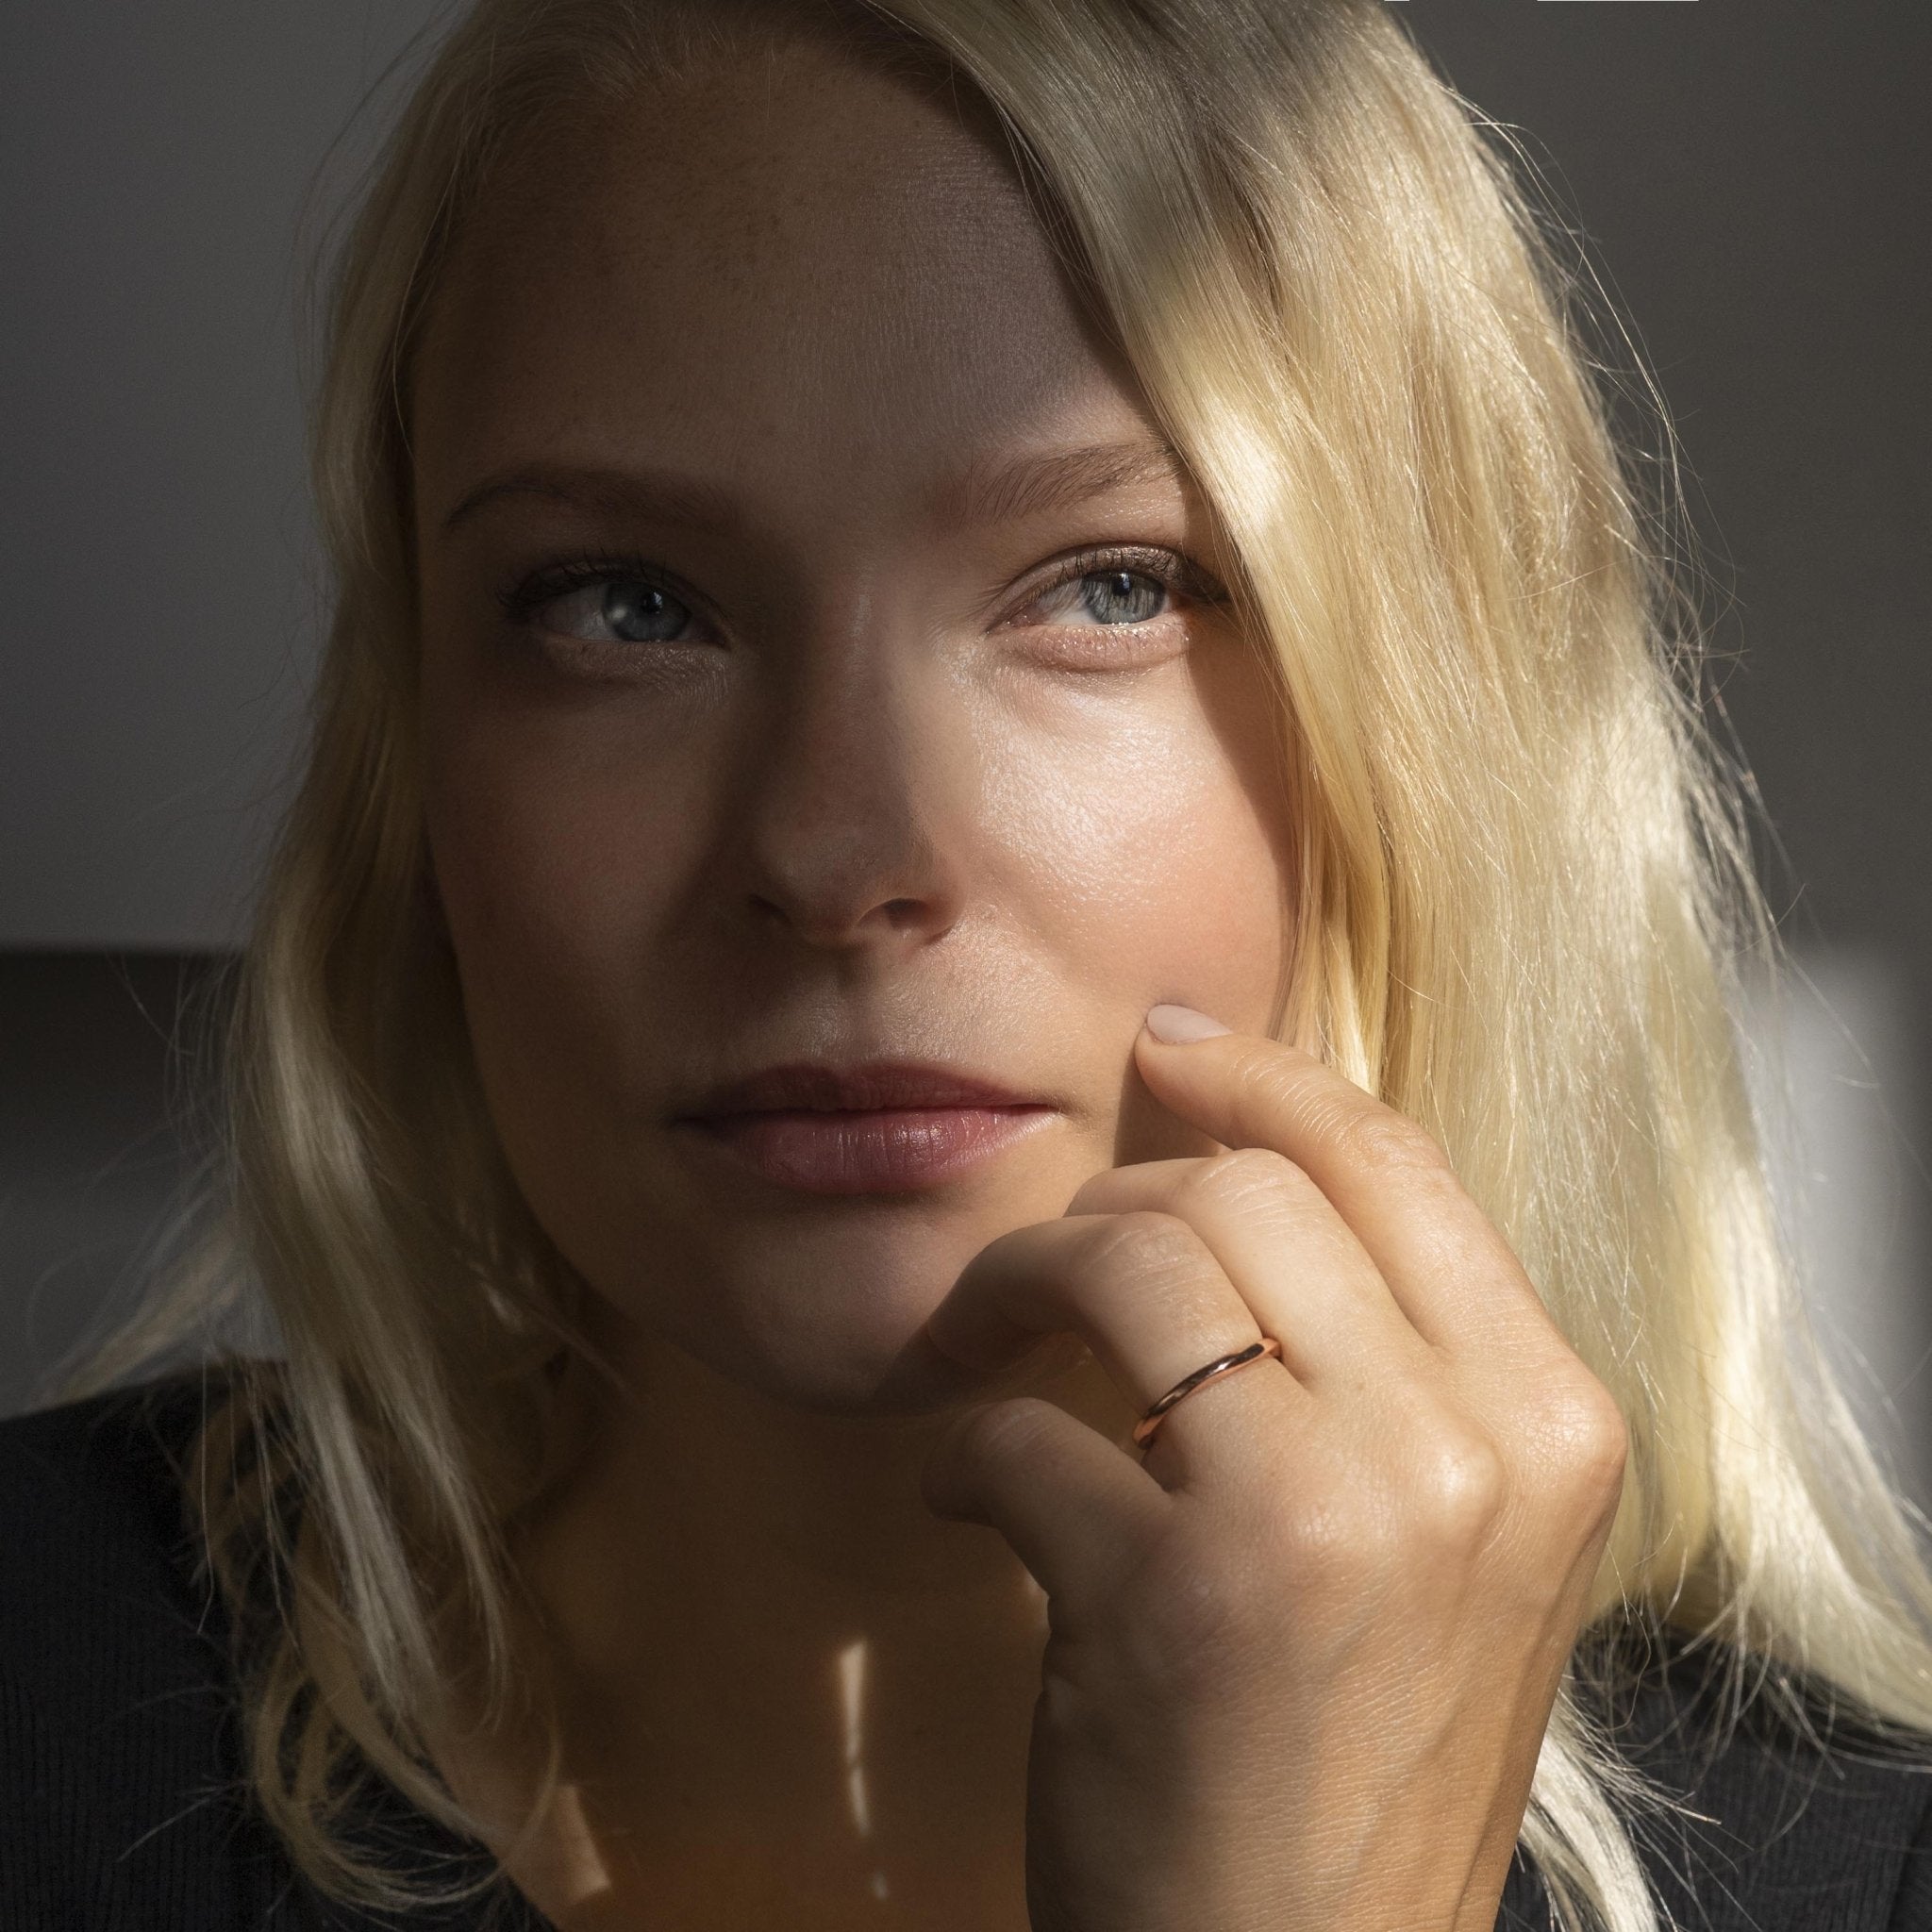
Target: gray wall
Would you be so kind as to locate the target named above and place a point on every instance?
(1753, 180)
(158, 627)
(103, 1120)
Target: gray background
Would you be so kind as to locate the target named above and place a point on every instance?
(1751, 178)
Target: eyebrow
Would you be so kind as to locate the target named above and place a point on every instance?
(1029, 485)
(1006, 491)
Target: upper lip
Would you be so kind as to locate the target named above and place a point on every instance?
(812, 1085)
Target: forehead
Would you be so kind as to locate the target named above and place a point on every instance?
(801, 266)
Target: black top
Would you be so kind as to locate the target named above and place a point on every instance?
(123, 1807)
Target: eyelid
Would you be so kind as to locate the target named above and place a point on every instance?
(522, 600)
(1173, 568)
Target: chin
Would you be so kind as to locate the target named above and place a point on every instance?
(868, 1357)
(838, 1334)
(820, 1306)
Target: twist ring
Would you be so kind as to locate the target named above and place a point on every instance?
(1145, 1429)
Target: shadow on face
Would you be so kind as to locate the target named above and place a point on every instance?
(824, 659)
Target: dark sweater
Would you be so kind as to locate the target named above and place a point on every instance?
(123, 1806)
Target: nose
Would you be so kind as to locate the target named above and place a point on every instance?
(849, 825)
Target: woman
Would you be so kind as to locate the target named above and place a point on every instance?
(985, 1086)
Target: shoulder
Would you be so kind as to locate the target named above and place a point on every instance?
(1767, 1806)
(118, 1767)
(100, 1556)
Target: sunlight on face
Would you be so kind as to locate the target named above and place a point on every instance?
(823, 661)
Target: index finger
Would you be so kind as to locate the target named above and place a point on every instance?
(1449, 1270)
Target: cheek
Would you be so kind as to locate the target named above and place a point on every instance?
(1119, 841)
(556, 866)
(1153, 844)
(1126, 839)
(537, 860)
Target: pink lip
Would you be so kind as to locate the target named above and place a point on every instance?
(878, 1126)
(864, 1085)
(869, 1151)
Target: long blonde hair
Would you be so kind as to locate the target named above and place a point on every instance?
(1522, 881)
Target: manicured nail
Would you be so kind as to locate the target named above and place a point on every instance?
(1178, 1025)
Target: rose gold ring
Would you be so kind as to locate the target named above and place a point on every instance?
(1258, 1351)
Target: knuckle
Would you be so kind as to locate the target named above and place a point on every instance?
(998, 1433)
(1320, 1514)
(1591, 1436)
(1245, 1174)
(1276, 1087)
(1147, 1242)
(1461, 1489)
(1378, 1136)
(1362, 1127)
(1330, 1537)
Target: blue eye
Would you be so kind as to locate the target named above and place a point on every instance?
(1121, 596)
(1118, 589)
(609, 610)
(617, 602)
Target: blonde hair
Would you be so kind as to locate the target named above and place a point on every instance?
(1523, 885)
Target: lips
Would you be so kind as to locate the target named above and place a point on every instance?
(883, 1126)
(812, 1087)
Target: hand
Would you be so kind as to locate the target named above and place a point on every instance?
(1302, 1658)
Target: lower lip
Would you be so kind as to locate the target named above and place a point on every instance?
(876, 1151)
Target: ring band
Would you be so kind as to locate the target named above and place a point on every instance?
(1260, 1351)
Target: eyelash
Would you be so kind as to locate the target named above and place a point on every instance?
(1173, 572)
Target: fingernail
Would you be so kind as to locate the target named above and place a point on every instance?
(1178, 1025)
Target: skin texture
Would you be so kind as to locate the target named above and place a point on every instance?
(892, 790)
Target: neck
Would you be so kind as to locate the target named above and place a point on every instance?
(758, 1621)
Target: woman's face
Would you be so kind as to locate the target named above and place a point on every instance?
(782, 706)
